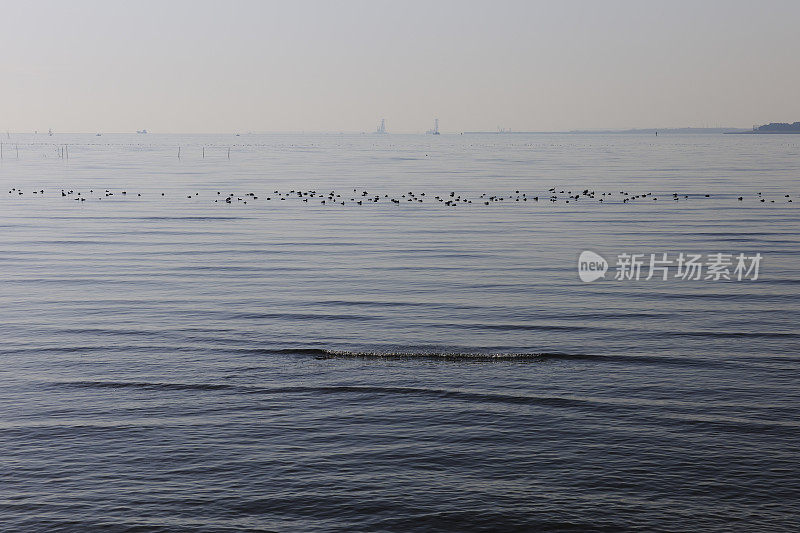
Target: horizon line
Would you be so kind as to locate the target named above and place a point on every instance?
(370, 132)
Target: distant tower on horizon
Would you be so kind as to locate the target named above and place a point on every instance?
(435, 130)
(381, 127)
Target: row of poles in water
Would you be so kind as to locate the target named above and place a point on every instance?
(63, 151)
(2, 150)
(204, 152)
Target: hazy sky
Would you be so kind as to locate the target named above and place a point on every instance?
(200, 66)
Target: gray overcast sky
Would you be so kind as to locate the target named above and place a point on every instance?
(200, 66)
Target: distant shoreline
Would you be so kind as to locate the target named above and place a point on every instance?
(647, 131)
(774, 128)
(762, 133)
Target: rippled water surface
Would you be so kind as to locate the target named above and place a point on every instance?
(172, 361)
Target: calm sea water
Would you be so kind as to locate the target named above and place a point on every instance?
(174, 362)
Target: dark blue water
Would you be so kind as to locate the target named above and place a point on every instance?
(176, 363)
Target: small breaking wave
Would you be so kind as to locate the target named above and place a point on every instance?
(499, 356)
(456, 356)
(322, 353)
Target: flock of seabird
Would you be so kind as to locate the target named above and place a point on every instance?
(451, 199)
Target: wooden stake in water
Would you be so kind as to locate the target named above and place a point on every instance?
(229, 152)
(179, 152)
(204, 152)
(17, 147)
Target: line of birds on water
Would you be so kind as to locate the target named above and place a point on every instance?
(451, 200)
